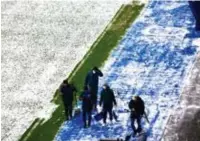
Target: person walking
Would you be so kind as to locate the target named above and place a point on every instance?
(137, 108)
(107, 100)
(68, 95)
(92, 81)
(86, 106)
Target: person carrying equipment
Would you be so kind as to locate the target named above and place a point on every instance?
(86, 106)
(107, 100)
(67, 91)
(92, 81)
(136, 105)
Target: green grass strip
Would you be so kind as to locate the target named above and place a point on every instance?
(96, 56)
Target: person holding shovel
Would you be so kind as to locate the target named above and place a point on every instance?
(107, 100)
(137, 109)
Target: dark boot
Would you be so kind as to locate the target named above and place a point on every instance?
(139, 130)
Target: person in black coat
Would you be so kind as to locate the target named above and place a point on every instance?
(86, 106)
(67, 91)
(195, 8)
(107, 100)
(92, 81)
(136, 105)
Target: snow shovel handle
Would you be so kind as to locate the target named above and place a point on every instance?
(146, 117)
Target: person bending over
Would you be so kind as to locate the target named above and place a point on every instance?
(137, 108)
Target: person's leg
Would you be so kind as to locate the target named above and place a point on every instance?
(110, 114)
(94, 98)
(133, 122)
(66, 111)
(70, 111)
(95, 101)
(105, 115)
(139, 129)
(84, 119)
(89, 118)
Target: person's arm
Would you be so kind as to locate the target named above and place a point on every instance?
(87, 79)
(100, 74)
(75, 94)
(101, 98)
(60, 89)
(130, 105)
(81, 96)
(114, 100)
(74, 88)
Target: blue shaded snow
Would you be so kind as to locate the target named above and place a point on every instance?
(152, 60)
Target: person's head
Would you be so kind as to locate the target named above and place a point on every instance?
(136, 97)
(105, 86)
(85, 88)
(65, 82)
(94, 70)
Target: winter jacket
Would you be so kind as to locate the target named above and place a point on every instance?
(137, 105)
(86, 101)
(68, 93)
(107, 98)
(92, 79)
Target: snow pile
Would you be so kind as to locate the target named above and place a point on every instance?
(184, 123)
(42, 41)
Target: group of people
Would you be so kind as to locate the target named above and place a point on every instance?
(107, 100)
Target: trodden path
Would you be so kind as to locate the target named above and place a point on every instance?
(152, 60)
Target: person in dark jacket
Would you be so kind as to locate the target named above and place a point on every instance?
(67, 91)
(107, 100)
(195, 8)
(92, 81)
(136, 105)
(86, 106)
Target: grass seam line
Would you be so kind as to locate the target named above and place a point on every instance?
(81, 62)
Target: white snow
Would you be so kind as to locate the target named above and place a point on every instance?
(196, 42)
(42, 41)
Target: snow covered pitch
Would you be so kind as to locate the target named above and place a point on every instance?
(42, 41)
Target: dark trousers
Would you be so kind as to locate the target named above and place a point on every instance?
(136, 117)
(94, 98)
(85, 115)
(106, 110)
(68, 111)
